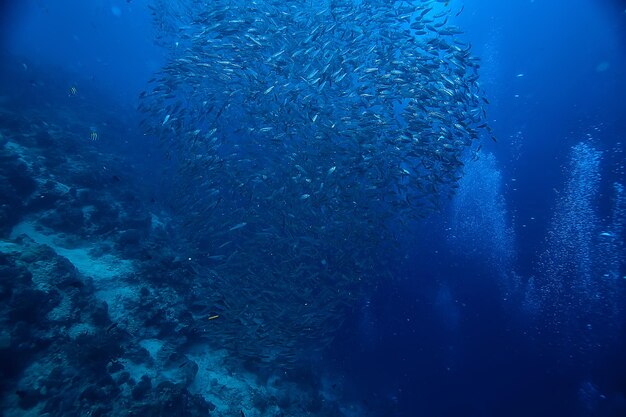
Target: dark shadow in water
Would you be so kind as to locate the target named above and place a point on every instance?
(464, 356)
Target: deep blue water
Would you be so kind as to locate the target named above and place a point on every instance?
(472, 320)
(489, 363)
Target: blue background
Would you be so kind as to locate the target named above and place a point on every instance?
(437, 340)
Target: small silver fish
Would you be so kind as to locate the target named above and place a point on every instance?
(237, 226)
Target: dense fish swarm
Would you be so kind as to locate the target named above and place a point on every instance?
(300, 134)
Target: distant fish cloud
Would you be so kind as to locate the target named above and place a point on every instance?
(323, 132)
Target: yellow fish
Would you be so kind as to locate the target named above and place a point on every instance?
(213, 317)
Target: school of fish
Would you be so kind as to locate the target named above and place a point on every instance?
(301, 136)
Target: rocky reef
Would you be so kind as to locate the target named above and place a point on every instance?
(102, 313)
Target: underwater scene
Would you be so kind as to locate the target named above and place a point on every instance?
(333, 208)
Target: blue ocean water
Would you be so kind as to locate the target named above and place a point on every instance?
(188, 228)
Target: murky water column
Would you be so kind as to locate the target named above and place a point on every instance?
(479, 225)
(567, 259)
(610, 248)
(609, 261)
(576, 287)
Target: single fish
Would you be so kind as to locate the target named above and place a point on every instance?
(237, 226)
